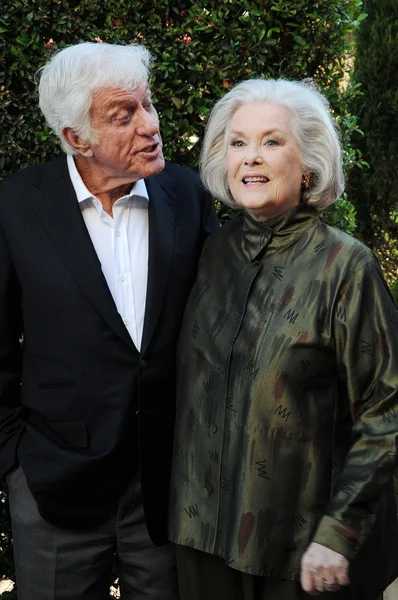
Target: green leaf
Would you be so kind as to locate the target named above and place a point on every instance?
(177, 102)
(261, 34)
(299, 39)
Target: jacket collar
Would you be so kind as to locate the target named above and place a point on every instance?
(281, 231)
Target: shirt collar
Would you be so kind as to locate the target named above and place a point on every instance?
(82, 193)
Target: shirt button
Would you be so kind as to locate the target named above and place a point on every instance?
(213, 428)
(143, 364)
(126, 321)
(118, 234)
(122, 278)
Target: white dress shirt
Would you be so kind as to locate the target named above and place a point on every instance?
(121, 244)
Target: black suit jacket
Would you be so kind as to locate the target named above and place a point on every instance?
(80, 407)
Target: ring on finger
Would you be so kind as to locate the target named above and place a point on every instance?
(328, 586)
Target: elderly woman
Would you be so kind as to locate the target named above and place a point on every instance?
(286, 433)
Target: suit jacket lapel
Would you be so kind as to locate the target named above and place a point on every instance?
(161, 243)
(57, 208)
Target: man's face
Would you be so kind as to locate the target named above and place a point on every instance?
(127, 126)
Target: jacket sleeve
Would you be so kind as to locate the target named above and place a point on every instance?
(365, 325)
(10, 360)
(209, 220)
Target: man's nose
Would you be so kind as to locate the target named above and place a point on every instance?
(149, 124)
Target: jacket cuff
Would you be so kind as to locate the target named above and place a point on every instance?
(338, 537)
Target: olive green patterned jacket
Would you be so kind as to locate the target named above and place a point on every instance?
(287, 402)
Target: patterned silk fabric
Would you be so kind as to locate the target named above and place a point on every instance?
(287, 397)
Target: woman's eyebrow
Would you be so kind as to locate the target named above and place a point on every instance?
(264, 133)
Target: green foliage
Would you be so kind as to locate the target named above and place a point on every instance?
(341, 215)
(374, 191)
(201, 49)
(394, 291)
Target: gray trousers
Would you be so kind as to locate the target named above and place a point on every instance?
(57, 564)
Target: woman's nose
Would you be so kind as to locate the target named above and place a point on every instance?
(252, 157)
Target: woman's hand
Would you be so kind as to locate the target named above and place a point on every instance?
(321, 564)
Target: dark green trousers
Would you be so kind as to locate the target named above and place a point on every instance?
(203, 576)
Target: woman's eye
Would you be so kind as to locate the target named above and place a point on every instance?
(237, 143)
(271, 143)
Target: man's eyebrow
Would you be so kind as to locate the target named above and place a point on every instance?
(116, 103)
(121, 102)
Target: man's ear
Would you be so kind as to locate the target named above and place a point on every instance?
(74, 140)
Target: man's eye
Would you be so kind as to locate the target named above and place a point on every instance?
(148, 106)
(125, 118)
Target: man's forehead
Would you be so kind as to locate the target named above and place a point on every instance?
(109, 97)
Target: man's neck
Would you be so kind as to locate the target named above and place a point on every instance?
(106, 189)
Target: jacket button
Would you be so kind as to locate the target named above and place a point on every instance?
(209, 487)
(143, 364)
(213, 428)
(235, 315)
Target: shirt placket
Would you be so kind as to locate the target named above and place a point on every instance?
(122, 266)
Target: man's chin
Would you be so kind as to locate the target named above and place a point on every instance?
(156, 166)
(144, 170)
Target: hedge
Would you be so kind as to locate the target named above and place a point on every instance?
(375, 190)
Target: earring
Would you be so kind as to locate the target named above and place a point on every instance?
(306, 181)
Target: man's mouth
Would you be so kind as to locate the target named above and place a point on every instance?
(150, 149)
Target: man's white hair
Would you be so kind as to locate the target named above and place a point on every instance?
(69, 79)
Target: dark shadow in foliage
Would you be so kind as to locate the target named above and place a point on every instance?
(6, 555)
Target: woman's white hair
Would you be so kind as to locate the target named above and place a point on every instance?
(313, 127)
(68, 80)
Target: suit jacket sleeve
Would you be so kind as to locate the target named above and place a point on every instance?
(210, 221)
(10, 360)
(366, 338)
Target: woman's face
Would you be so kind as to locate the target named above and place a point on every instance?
(263, 161)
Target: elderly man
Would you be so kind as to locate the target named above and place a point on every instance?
(98, 251)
